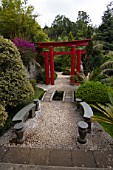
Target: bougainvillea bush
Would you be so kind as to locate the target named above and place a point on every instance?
(27, 50)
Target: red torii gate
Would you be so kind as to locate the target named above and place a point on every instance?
(50, 46)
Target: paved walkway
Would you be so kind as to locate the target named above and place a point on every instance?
(54, 157)
(51, 140)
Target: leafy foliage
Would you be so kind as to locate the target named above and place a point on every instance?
(14, 84)
(105, 31)
(27, 50)
(3, 115)
(17, 19)
(106, 111)
(60, 27)
(104, 73)
(93, 92)
(33, 82)
(83, 26)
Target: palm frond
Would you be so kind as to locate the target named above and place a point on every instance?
(99, 118)
(106, 65)
(100, 108)
(107, 71)
(106, 112)
(110, 98)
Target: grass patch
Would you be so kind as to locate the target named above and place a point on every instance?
(38, 93)
(106, 126)
(12, 111)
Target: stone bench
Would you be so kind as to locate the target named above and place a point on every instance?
(88, 113)
(37, 102)
(25, 113)
(78, 100)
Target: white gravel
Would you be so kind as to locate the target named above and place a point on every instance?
(55, 126)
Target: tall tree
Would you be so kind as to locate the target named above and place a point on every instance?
(83, 26)
(17, 20)
(60, 27)
(105, 31)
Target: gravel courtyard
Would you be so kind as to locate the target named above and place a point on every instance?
(55, 126)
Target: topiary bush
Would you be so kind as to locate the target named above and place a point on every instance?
(3, 115)
(15, 87)
(93, 92)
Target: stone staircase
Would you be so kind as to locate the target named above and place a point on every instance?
(68, 95)
(48, 96)
(10, 166)
(18, 158)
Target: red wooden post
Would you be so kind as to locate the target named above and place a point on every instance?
(72, 64)
(78, 60)
(46, 67)
(52, 64)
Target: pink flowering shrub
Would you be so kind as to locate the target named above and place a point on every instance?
(27, 50)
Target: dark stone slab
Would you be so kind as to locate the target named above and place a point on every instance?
(82, 158)
(39, 156)
(60, 158)
(104, 159)
(3, 151)
(10, 166)
(17, 155)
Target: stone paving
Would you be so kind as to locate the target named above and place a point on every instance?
(55, 157)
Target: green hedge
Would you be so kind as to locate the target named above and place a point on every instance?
(15, 87)
(93, 92)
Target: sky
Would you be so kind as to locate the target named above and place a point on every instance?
(49, 9)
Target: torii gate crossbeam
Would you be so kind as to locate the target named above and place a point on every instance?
(50, 47)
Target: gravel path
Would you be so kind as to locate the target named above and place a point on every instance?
(55, 126)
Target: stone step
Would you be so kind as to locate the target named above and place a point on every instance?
(48, 96)
(68, 96)
(56, 157)
(10, 166)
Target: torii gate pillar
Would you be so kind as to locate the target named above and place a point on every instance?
(78, 60)
(46, 67)
(73, 51)
(52, 64)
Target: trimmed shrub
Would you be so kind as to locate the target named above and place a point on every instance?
(93, 92)
(15, 87)
(3, 115)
